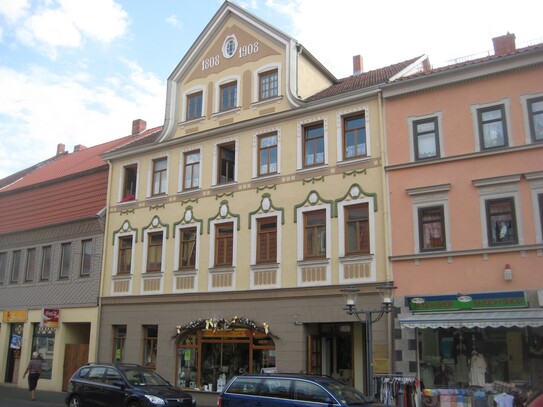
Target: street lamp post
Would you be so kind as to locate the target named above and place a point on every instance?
(350, 295)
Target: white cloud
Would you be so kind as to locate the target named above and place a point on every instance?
(393, 31)
(13, 10)
(102, 20)
(43, 109)
(54, 24)
(173, 20)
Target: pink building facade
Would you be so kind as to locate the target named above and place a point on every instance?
(465, 177)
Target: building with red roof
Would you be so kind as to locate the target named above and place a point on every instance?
(52, 218)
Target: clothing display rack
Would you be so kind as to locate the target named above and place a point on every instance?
(398, 390)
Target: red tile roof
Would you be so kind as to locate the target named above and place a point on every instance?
(469, 62)
(363, 80)
(65, 188)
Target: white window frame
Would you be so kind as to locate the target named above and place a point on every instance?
(213, 223)
(256, 135)
(536, 186)
(526, 117)
(437, 195)
(341, 223)
(185, 96)
(150, 175)
(122, 180)
(178, 230)
(181, 181)
(339, 135)
(256, 83)
(146, 250)
(411, 119)
(499, 188)
(115, 266)
(254, 233)
(506, 102)
(300, 244)
(223, 81)
(216, 145)
(300, 139)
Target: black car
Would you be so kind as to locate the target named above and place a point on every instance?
(123, 385)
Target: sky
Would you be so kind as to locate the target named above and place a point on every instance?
(80, 71)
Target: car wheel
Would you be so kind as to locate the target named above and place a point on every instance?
(134, 404)
(75, 401)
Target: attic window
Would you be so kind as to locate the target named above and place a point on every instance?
(229, 96)
(268, 84)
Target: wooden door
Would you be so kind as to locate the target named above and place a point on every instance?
(75, 356)
(314, 355)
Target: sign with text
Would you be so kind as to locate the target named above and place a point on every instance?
(510, 299)
(14, 316)
(49, 318)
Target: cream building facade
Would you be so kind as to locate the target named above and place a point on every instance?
(231, 231)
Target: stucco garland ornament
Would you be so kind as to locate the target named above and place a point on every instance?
(222, 324)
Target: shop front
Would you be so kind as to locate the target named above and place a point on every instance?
(210, 352)
(477, 348)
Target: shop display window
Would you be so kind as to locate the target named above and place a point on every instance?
(43, 342)
(478, 357)
(208, 358)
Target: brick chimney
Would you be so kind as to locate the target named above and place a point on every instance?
(61, 148)
(79, 147)
(138, 126)
(504, 44)
(358, 65)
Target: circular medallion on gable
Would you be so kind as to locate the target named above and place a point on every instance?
(155, 222)
(230, 46)
(126, 226)
(224, 210)
(313, 198)
(188, 215)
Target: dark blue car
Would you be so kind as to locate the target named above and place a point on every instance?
(123, 385)
(281, 390)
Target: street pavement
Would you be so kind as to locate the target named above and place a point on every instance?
(11, 396)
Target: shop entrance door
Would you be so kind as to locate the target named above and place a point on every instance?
(514, 350)
(14, 353)
(330, 352)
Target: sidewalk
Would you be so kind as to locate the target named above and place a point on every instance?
(11, 392)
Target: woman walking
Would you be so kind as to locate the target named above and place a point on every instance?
(34, 370)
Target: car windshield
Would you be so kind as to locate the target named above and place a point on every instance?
(140, 377)
(347, 394)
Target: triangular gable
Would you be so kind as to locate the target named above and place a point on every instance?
(235, 38)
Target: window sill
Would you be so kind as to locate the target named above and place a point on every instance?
(186, 272)
(314, 262)
(198, 120)
(357, 160)
(235, 110)
(125, 276)
(225, 185)
(275, 175)
(222, 269)
(258, 103)
(311, 169)
(356, 258)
